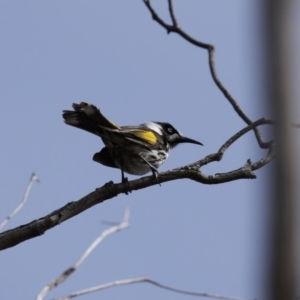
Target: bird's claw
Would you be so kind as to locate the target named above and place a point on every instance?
(125, 181)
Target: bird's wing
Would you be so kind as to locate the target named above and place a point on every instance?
(140, 136)
(88, 117)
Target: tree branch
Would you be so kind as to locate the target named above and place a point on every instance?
(146, 280)
(211, 59)
(68, 272)
(110, 190)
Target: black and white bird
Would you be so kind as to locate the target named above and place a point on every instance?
(134, 150)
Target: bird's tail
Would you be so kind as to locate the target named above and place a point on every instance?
(88, 117)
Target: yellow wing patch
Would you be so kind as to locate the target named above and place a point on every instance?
(147, 136)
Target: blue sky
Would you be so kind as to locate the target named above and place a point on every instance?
(110, 53)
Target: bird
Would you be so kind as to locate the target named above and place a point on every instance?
(135, 150)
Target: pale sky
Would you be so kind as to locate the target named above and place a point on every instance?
(112, 54)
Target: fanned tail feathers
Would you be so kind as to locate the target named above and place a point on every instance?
(88, 117)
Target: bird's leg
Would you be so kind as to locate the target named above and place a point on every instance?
(125, 180)
(155, 174)
(153, 169)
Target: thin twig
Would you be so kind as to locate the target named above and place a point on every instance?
(246, 129)
(171, 11)
(124, 224)
(32, 179)
(140, 280)
(219, 155)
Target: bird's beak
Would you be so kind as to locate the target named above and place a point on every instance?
(184, 139)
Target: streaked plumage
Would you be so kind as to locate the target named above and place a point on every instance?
(135, 150)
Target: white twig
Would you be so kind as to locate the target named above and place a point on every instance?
(33, 178)
(148, 280)
(55, 282)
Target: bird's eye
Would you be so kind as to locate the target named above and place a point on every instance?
(170, 129)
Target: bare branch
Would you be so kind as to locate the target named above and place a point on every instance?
(219, 155)
(33, 178)
(171, 28)
(211, 58)
(54, 283)
(239, 134)
(171, 11)
(110, 190)
(141, 280)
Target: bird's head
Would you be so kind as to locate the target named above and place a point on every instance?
(171, 134)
